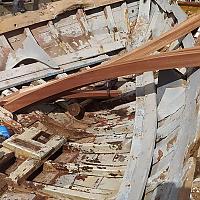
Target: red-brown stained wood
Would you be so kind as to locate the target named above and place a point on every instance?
(93, 94)
(77, 94)
(180, 58)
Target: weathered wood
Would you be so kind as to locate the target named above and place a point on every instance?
(189, 124)
(24, 170)
(34, 71)
(180, 58)
(26, 145)
(52, 10)
(151, 46)
(143, 140)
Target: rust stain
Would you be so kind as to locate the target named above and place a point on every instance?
(160, 155)
(62, 129)
(117, 145)
(162, 176)
(171, 142)
(119, 157)
(81, 177)
(87, 168)
(28, 119)
(4, 57)
(122, 113)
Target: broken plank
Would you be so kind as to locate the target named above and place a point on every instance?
(24, 170)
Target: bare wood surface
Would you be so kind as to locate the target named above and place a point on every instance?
(181, 58)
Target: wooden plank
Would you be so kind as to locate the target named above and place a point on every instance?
(24, 170)
(189, 124)
(184, 193)
(6, 118)
(89, 170)
(55, 89)
(112, 147)
(93, 94)
(149, 47)
(136, 175)
(5, 156)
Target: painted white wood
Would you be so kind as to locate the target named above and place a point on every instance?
(143, 140)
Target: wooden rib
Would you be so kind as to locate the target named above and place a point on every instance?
(181, 58)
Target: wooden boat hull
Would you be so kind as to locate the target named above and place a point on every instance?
(142, 144)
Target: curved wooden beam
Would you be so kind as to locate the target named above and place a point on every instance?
(181, 58)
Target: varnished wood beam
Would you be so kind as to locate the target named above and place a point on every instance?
(180, 58)
(99, 94)
(76, 94)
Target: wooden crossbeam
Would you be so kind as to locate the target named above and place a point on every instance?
(180, 58)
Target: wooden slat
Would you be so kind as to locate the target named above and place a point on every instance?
(55, 89)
